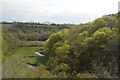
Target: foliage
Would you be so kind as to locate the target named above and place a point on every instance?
(84, 51)
(81, 45)
(39, 32)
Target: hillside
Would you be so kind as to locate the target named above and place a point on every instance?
(81, 51)
(87, 48)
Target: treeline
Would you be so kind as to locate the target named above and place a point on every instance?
(85, 51)
(35, 32)
(38, 23)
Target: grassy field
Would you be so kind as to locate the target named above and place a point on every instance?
(24, 53)
(17, 63)
(5, 27)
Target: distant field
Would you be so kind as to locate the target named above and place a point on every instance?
(5, 27)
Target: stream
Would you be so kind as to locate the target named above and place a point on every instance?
(39, 53)
(34, 65)
(31, 65)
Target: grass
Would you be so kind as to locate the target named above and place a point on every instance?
(24, 52)
(5, 27)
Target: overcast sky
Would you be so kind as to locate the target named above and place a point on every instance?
(57, 11)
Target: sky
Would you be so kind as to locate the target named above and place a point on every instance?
(56, 11)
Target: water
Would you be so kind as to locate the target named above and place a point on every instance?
(39, 54)
(31, 65)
